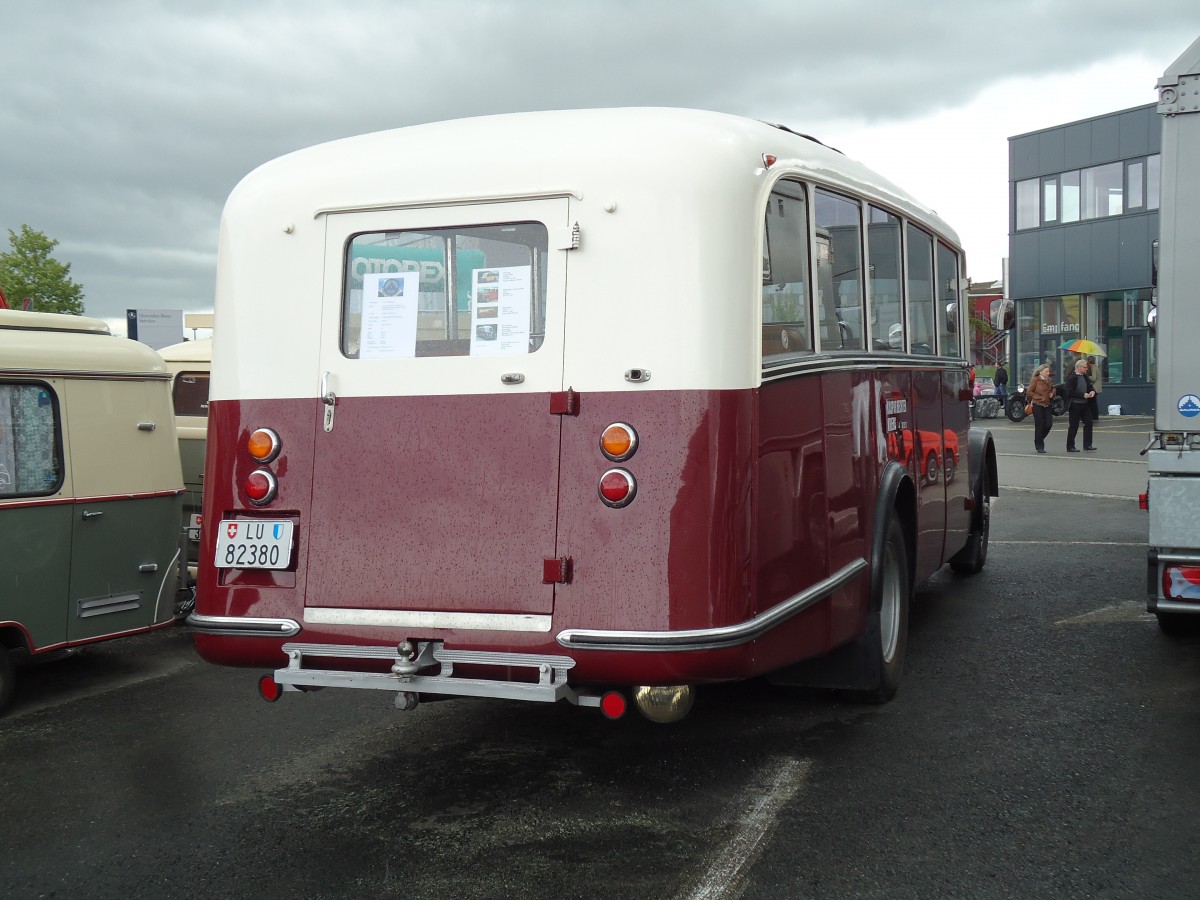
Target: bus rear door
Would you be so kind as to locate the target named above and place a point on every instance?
(436, 459)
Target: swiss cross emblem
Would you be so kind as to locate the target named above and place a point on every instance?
(231, 530)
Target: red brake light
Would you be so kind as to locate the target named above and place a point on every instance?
(613, 704)
(269, 689)
(261, 486)
(617, 488)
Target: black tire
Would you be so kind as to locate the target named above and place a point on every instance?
(1178, 623)
(932, 468)
(8, 676)
(948, 469)
(1058, 406)
(885, 643)
(972, 557)
(1015, 409)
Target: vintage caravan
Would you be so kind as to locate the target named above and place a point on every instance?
(596, 406)
(189, 364)
(90, 487)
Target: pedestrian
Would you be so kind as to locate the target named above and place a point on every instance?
(1040, 393)
(1000, 379)
(1079, 392)
(1094, 374)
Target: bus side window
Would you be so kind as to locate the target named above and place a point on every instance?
(785, 301)
(887, 301)
(839, 266)
(922, 321)
(947, 281)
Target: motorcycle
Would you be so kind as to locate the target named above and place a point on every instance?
(1015, 408)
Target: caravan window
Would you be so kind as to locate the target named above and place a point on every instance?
(30, 440)
(190, 394)
(466, 291)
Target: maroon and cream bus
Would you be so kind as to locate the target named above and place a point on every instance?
(596, 406)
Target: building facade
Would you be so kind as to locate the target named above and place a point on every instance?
(1083, 219)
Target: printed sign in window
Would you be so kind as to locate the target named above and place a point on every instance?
(389, 315)
(500, 301)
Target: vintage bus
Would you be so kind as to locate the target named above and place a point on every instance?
(90, 488)
(596, 406)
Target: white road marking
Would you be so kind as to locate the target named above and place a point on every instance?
(1128, 611)
(774, 788)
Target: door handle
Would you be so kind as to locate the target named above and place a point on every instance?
(329, 399)
(92, 513)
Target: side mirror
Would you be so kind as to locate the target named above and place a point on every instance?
(1154, 264)
(1005, 315)
(951, 318)
(1152, 320)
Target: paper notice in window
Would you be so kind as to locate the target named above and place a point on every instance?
(500, 301)
(389, 315)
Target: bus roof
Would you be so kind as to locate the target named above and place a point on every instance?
(188, 351)
(50, 344)
(554, 152)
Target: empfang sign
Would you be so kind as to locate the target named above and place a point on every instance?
(1060, 328)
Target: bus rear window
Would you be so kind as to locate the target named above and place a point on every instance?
(190, 394)
(465, 291)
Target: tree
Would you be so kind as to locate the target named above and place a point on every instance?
(29, 271)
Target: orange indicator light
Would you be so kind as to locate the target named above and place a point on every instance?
(618, 442)
(264, 444)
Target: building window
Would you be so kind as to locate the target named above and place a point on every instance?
(1153, 180)
(1134, 185)
(1049, 201)
(1102, 191)
(1070, 196)
(1027, 204)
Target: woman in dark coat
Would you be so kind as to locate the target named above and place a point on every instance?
(1041, 393)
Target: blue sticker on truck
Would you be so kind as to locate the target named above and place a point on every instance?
(1189, 405)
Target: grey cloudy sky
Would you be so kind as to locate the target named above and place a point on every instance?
(124, 125)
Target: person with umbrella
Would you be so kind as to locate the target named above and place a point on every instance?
(1079, 392)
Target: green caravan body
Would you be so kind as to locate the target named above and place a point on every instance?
(189, 364)
(90, 487)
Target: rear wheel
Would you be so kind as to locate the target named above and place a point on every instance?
(932, 469)
(1178, 623)
(972, 557)
(948, 466)
(8, 676)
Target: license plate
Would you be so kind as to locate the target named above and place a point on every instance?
(254, 544)
(193, 531)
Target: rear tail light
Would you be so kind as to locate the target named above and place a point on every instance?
(618, 442)
(1181, 582)
(269, 689)
(261, 486)
(613, 704)
(264, 445)
(617, 488)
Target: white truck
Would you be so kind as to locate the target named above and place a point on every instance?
(1173, 454)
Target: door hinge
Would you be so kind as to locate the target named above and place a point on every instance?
(570, 238)
(557, 571)
(564, 403)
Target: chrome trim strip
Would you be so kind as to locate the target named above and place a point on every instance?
(243, 626)
(712, 638)
(413, 618)
(447, 201)
(840, 360)
(1186, 557)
